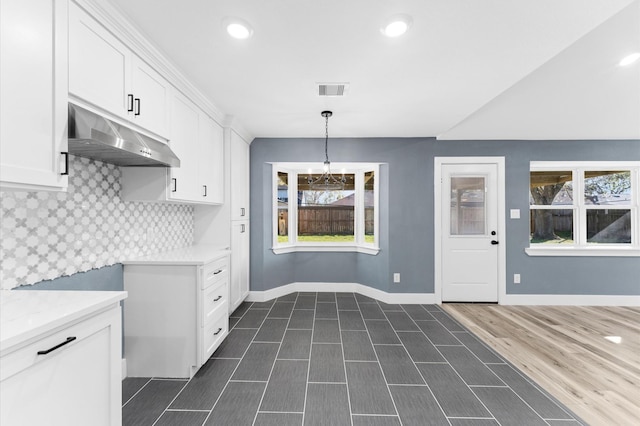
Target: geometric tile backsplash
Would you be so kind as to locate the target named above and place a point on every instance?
(45, 235)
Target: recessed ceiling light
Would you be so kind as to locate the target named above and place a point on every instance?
(396, 25)
(629, 59)
(237, 28)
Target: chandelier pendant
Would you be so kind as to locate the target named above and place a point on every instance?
(326, 182)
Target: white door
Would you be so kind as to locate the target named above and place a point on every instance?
(469, 232)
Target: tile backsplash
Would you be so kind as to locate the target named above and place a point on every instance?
(45, 235)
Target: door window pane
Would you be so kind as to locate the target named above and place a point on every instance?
(369, 207)
(609, 226)
(326, 215)
(467, 206)
(282, 219)
(607, 188)
(551, 226)
(551, 188)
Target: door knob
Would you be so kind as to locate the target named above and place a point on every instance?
(494, 243)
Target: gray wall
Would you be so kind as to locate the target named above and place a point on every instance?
(406, 216)
(108, 278)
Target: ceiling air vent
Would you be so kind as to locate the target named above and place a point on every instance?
(332, 89)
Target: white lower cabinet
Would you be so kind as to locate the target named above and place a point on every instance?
(69, 377)
(176, 315)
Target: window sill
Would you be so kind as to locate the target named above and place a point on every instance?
(584, 251)
(326, 248)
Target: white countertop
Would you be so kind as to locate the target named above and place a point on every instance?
(193, 255)
(26, 314)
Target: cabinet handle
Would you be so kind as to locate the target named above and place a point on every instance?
(66, 164)
(242, 211)
(137, 100)
(217, 332)
(130, 102)
(66, 342)
(242, 228)
(205, 190)
(217, 298)
(217, 272)
(175, 185)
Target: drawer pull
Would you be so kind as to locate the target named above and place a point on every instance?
(217, 272)
(217, 332)
(69, 340)
(217, 298)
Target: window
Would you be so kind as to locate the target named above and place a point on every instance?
(584, 208)
(325, 220)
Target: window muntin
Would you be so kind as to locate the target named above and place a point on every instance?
(590, 206)
(340, 220)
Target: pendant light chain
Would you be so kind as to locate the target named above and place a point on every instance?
(326, 137)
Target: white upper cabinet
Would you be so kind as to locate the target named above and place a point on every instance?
(151, 95)
(211, 159)
(239, 178)
(198, 142)
(33, 104)
(99, 64)
(107, 74)
(184, 182)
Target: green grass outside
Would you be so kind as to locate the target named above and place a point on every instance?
(325, 239)
(564, 237)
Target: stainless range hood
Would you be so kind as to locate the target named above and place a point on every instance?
(94, 136)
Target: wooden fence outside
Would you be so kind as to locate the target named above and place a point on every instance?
(599, 220)
(329, 220)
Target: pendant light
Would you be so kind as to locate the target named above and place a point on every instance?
(326, 182)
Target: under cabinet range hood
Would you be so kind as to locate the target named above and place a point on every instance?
(94, 136)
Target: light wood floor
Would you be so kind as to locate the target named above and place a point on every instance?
(564, 350)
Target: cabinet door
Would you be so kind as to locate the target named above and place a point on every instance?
(99, 65)
(211, 141)
(76, 384)
(239, 178)
(151, 94)
(239, 282)
(184, 184)
(33, 83)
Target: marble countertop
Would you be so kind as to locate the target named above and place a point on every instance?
(28, 314)
(192, 255)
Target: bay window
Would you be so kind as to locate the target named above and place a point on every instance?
(310, 217)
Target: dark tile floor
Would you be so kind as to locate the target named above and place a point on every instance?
(344, 359)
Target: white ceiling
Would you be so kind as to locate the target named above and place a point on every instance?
(491, 69)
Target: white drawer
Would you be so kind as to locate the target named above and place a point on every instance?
(214, 334)
(55, 344)
(215, 271)
(214, 300)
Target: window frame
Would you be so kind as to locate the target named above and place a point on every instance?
(359, 244)
(581, 247)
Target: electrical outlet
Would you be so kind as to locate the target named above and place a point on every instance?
(516, 278)
(396, 277)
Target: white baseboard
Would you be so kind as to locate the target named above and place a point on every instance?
(570, 300)
(430, 298)
(124, 368)
(382, 296)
